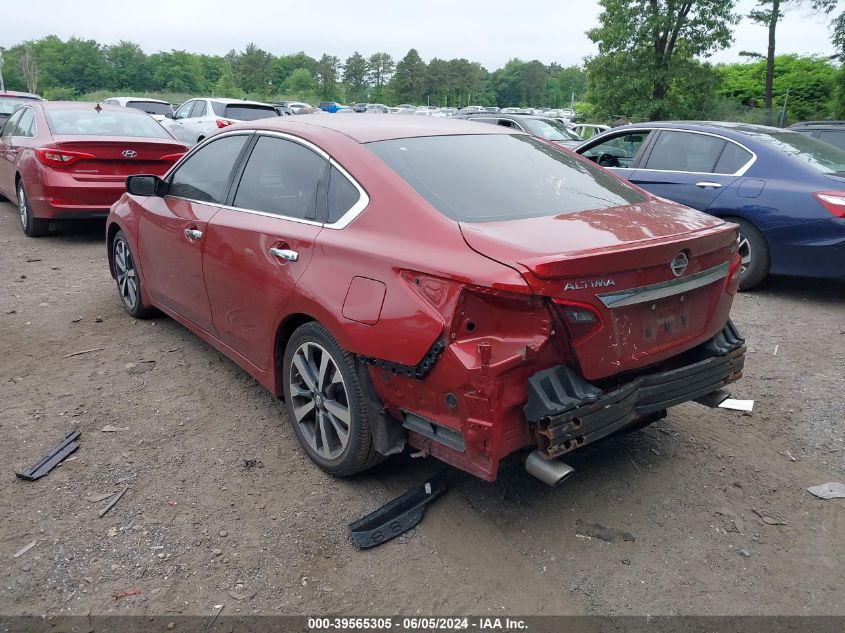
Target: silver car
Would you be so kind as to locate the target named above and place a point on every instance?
(197, 118)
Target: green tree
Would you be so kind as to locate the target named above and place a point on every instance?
(226, 85)
(645, 44)
(254, 70)
(380, 68)
(408, 81)
(300, 83)
(178, 71)
(328, 70)
(355, 77)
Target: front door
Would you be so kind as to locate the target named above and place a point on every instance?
(618, 152)
(257, 250)
(172, 229)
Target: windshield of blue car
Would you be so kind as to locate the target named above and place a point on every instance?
(549, 130)
(103, 122)
(493, 177)
(820, 155)
(10, 104)
(150, 107)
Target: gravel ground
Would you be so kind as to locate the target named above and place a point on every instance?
(704, 512)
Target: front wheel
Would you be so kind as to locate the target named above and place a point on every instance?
(32, 226)
(325, 403)
(128, 280)
(754, 251)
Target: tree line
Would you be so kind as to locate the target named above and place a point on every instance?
(652, 63)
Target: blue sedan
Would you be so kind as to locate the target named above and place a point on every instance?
(784, 189)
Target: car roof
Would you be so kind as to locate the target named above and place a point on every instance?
(225, 101)
(367, 128)
(22, 95)
(150, 99)
(815, 124)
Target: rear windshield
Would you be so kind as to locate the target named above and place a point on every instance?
(89, 122)
(240, 112)
(492, 177)
(820, 155)
(150, 107)
(10, 104)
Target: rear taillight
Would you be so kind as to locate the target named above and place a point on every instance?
(734, 275)
(221, 123)
(582, 320)
(172, 157)
(833, 201)
(60, 158)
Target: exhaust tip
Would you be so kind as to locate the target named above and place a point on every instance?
(550, 471)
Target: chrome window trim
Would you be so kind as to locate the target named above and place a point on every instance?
(737, 173)
(342, 222)
(653, 292)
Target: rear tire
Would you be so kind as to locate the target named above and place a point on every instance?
(325, 402)
(754, 251)
(128, 279)
(32, 226)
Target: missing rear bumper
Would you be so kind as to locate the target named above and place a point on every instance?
(570, 412)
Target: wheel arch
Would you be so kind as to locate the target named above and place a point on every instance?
(283, 333)
(111, 231)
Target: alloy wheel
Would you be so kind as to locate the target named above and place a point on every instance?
(22, 206)
(127, 278)
(319, 400)
(744, 252)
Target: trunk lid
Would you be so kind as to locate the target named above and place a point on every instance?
(617, 263)
(116, 158)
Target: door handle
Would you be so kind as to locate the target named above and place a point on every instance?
(708, 185)
(193, 234)
(285, 253)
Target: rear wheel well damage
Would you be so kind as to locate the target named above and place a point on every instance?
(388, 434)
(112, 231)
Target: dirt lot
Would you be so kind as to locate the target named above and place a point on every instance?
(199, 527)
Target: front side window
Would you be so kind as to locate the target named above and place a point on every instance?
(185, 111)
(685, 151)
(493, 177)
(90, 122)
(11, 124)
(205, 174)
(282, 178)
(621, 149)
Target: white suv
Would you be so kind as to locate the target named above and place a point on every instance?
(156, 108)
(197, 118)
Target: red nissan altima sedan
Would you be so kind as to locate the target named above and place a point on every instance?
(465, 289)
(70, 160)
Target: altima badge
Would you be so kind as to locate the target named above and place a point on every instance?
(593, 283)
(129, 153)
(679, 264)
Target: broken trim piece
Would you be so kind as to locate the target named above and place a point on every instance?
(663, 289)
(52, 459)
(417, 372)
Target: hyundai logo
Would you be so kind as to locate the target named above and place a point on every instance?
(129, 153)
(679, 264)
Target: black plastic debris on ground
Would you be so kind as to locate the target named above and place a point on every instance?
(398, 516)
(52, 459)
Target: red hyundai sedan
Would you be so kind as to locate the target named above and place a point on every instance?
(465, 289)
(70, 160)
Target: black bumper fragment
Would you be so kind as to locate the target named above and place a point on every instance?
(571, 412)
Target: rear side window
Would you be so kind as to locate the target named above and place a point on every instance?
(205, 174)
(150, 107)
(246, 112)
(733, 158)
(342, 195)
(819, 155)
(834, 137)
(26, 124)
(199, 109)
(106, 122)
(492, 177)
(282, 178)
(685, 151)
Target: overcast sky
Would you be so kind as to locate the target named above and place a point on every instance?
(490, 32)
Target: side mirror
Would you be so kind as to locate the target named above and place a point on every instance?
(144, 185)
(170, 115)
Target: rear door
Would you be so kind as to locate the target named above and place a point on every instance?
(692, 168)
(173, 228)
(258, 247)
